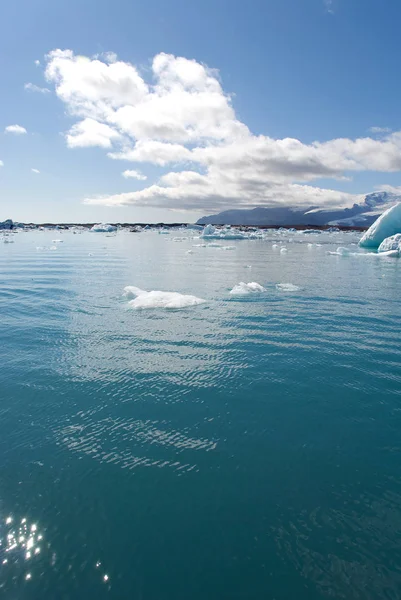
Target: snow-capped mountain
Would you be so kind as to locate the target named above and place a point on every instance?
(363, 214)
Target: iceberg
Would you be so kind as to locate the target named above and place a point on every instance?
(229, 233)
(141, 299)
(247, 288)
(341, 251)
(8, 224)
(391, 243)
(287, 287)
(387, 225)
(103, 228)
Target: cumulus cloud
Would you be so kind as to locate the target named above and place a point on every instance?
(37, 63)
(91, 133)
(1, 163)
(134, 175)
(15, 129)
(31, 87)
(35, 171)
(181, 117)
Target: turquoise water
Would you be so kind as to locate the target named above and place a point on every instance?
(245, 448)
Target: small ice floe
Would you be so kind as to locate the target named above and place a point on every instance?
(103, 228)
(287, 287)
(341, 251)
(228, 247)
(57, 241)
(247, 288)
(283, 251)
(214, 245)
(8, 240)
(274, 246)
(199, 245)
(189, 252)
(141, 299)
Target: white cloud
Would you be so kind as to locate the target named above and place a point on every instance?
(1, 163)
(329, 6)
(158, 153)
(380, 129)
(16, 129)
(37, 63)
(134, 175)
(91, 133)
(31, 87)
(182, 117)
(35, 171)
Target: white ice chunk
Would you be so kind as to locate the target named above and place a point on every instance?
(387, 225)
(283, 250)
(287, 287)
(341, 251)
(247, 288)
(157, 299)
(391, 243)
(103, 228)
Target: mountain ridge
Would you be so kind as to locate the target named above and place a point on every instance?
(361, 215)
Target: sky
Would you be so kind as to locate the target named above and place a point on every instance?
(168, 110)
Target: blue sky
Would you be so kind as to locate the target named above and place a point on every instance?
(255, 103)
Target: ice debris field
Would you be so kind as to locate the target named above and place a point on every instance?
(381, 241)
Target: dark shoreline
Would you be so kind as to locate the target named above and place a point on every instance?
(177, 225)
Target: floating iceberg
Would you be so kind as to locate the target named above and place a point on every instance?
(8, 224)
(157, 299)
(103, 228)
(341, 251)
(287, 287)
(229, 233)
(387, 225)
(247, 288)
(391, 243)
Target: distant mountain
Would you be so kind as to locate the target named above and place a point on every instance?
(363, 214)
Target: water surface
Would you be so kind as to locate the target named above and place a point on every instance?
(245, 448)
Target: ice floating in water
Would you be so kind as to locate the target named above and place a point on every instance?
(157, 299)
(387, 225)
(103, 228)
(199, 245)
(274, 246)
(57, 241)
(283, 250)
(247, 288)
(189, 252)
(229, 233)
(391, 243)
(287, 287)
(341, 251)
(228, 247)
